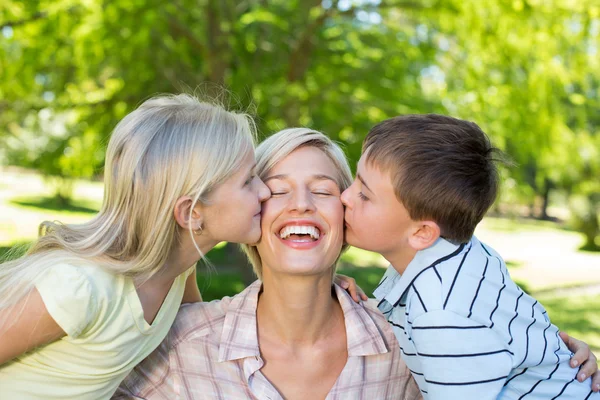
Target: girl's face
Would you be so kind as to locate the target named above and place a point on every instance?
(234, 209)
(302, 222)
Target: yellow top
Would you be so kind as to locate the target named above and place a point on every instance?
(107, 335)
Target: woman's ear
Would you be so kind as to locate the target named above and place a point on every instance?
(187, 217)
(425, 235)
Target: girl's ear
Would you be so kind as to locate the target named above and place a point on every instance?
(425, 235)
(187, 217)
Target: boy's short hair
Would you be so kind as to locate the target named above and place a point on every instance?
(442, 169)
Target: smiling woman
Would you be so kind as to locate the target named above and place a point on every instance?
(293, 334)
(305, 167)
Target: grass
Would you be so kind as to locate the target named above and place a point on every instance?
(76, 207)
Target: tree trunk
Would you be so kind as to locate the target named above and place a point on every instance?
(546, 200)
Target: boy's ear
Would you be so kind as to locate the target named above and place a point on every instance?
(425, 235)
(181, 212)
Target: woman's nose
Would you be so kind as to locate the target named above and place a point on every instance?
(263, 190)
(302, 201)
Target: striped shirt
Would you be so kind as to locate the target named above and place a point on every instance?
(467, 331)
(212, 352)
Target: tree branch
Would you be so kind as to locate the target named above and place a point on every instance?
(181, 30)
(299, 59)
(34, 17)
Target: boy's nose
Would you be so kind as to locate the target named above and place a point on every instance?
(345, 197)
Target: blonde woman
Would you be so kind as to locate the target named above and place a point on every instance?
(90, 301)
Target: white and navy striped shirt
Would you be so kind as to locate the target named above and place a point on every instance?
(467, 331)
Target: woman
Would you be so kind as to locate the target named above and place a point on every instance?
(289, 335)
(90, 301)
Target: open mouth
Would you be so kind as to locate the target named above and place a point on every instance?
(300, 233)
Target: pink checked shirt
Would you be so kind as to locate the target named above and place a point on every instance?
(212, 352)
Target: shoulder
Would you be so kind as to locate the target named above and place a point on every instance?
(380, 321)
(197, 320)
(89, 276)
(370, 306)
(397, 370)
(194, 336)
(455, 281)
(73, 294)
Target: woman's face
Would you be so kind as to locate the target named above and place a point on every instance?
(234, 209)
(303, 221)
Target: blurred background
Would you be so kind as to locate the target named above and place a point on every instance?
(527, 71)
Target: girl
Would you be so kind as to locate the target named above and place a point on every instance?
(88, 302)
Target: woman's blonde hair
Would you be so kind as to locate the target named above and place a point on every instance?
(277, 147)
(171, 146)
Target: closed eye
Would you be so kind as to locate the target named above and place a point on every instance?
(362, 196)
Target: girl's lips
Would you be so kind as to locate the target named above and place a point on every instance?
(301, 245)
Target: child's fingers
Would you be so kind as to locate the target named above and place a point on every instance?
(580, 349)
(581, 356)
(353, 289)
(596, 382)
(349, 284)
(353, 292)
(587, 369)
(584, 359)
(342, 280)
(362, 294)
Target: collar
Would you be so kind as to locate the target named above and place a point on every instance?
(393, 285)
(362, 335)
(239, 338)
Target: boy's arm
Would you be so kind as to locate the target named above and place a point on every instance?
(460, 358)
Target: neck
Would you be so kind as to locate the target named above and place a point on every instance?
(182, 256)
(401, 259)
(297, 310)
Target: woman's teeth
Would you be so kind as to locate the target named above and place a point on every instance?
(300, 230)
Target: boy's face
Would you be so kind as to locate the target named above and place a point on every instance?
(375, 219)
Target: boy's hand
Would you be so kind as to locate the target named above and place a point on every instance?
(351, 287)
(585, 358)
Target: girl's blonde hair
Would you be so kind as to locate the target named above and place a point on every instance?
(277, 147)
(171, 146)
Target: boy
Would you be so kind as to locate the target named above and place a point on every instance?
(466, 330)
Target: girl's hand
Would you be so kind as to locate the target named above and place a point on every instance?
(585, 358)
(351, 287)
